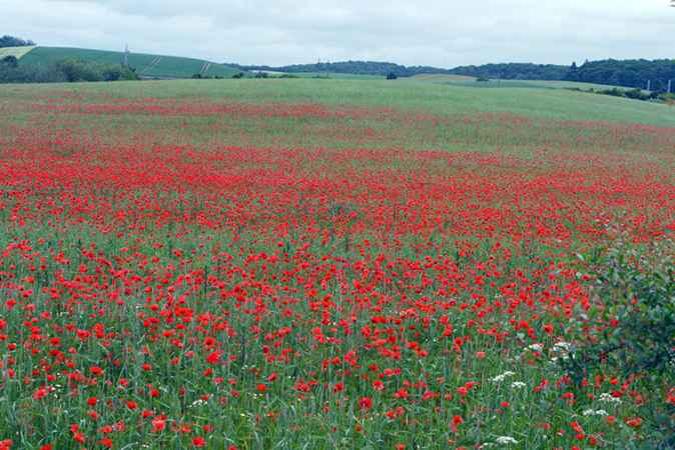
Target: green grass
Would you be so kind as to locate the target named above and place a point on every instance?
(17, 52)
(165, 67)
(559, 104)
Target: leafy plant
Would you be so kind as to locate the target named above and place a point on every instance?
(637, 289)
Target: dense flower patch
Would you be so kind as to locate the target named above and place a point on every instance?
(228, 296)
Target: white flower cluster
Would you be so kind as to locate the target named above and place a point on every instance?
(563, 347)
(506, 440)
(591, 412)
(609, 398)
(536, 347)
(502, 377)
(197, 403)
(518, 384)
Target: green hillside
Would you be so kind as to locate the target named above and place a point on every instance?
(146, 65)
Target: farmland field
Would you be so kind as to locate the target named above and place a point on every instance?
(300, 263)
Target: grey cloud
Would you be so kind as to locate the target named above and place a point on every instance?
(436, 32)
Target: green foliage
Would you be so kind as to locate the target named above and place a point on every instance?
(636, 287)
(78, 70)
(630, 73)
(391, 76)
(635, 94)
(514, 71)
(638, 292)
(11, 41)
(11, 61)
(70, 70)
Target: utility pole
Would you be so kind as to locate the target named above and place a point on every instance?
(649, 85)
(670, 84)
(125, 61)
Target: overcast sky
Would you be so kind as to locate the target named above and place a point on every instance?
(443, 33)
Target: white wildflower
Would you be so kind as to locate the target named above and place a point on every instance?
(506, 440)
(518, 384)
(502, 377)
(591, 412)
(609, 398)
(536, 347)
(565, 347)
(197, 403)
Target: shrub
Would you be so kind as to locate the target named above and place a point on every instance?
(637, 332)
(638, 292)
(391, 76)
(10, 60)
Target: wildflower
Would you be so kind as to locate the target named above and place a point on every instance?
(503, 376)
(506, 440)
(158, 425)
(609, 398)
(633, 422)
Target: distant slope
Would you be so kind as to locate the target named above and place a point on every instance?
(375, 68)
(146, 65)
(17, 52)
(515, 71)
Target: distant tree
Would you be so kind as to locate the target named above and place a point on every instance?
(238, 75)
(11, 41)
(392, 76)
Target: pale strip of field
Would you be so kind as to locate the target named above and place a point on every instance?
(441, 77)
(17, 52)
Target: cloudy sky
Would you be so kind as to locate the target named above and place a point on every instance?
(443, 33)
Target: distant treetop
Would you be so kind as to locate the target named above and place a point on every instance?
(12, 41)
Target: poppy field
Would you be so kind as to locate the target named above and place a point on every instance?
(208, 268)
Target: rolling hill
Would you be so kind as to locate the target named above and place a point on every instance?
(146, 65)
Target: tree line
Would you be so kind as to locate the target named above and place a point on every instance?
(12, 41)
(67, 70)
(635, 73)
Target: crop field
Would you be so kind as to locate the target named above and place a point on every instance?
(323, 264)
(460, 80)
(17, 52)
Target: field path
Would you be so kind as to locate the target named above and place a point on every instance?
(152, 65)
